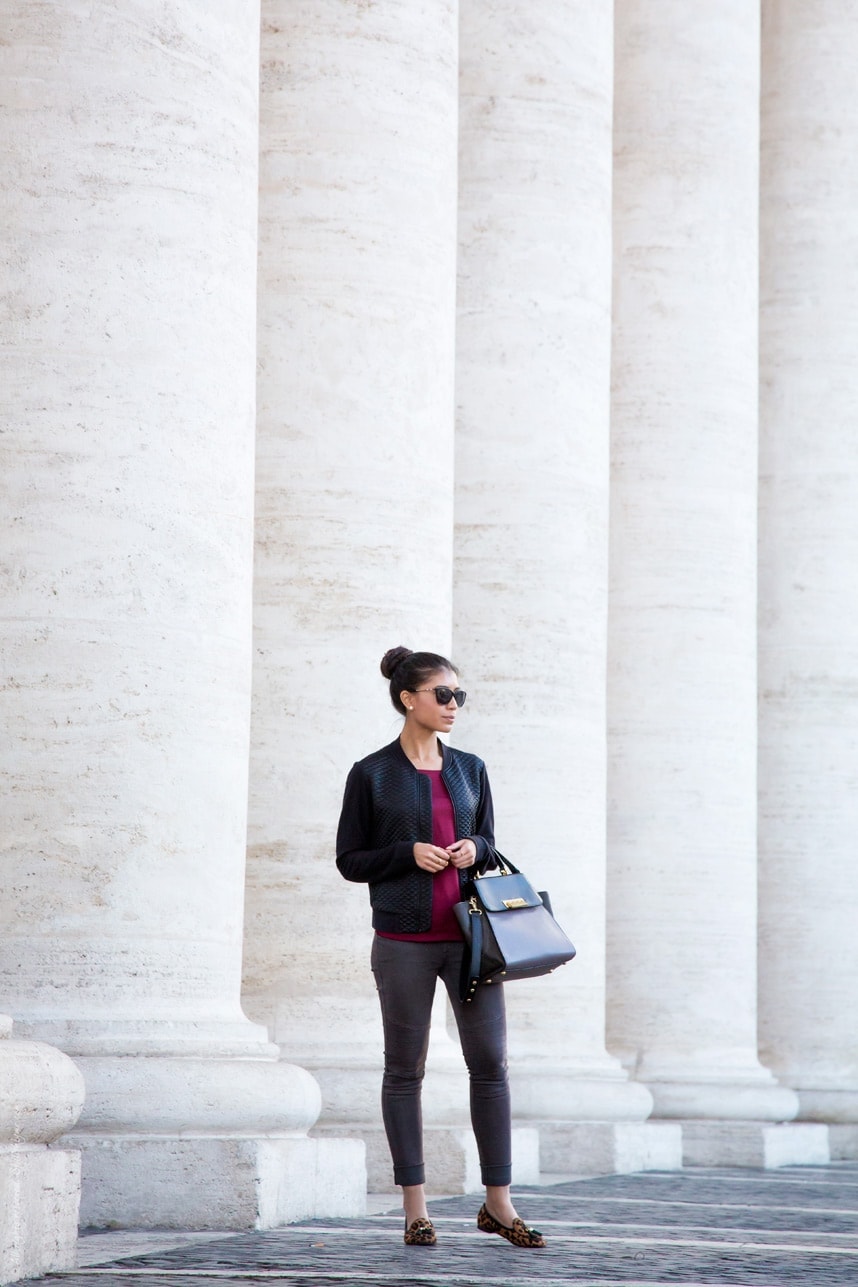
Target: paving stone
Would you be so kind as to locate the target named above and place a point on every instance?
(695, 1228)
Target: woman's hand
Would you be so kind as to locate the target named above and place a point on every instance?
(463, 853)
(430, 857)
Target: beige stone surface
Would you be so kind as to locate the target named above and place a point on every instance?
(530, 599)
(600, 1148)
(843, 1142)
(177, 1096)
(354, 481)
(808, 555)
(754, 1144)
(129, 205)
(41, 1093)
(425, 437)
(682, 642)
(39, 1197)
(129, 158)
(211, 1181)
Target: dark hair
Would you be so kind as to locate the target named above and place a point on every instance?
(409, 670)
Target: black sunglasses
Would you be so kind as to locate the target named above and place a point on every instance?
(443, 694)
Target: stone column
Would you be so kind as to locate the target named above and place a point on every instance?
(129, 160)
(682, 671)
(808, 557)
(41, 1094)
(354, 491)
(532, 380)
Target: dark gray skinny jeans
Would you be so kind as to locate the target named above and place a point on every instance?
(405, 975)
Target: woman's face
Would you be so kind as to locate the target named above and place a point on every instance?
(423, 710)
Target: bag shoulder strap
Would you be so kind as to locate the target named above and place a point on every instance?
(470, 975)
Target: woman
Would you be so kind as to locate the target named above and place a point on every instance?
(416, 818)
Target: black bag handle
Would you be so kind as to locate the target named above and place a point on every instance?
(498, 860)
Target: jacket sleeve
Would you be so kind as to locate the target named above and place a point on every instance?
(356, 860)
(484, 825)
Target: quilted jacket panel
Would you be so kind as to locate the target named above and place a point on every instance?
(387, 807)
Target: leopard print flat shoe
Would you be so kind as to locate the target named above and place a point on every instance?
(517, 1233)
(420, 1233)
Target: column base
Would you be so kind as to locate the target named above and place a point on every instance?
(208, 1144)
(823, 1105)
(609, 1148)
(352, 1093)
(41, 1093)
(843, 1142)
(216, 1181)
(39, 1195)
(757, 1100)
(450, 1154)
(539, 1092)
(167, 1096)
(754, 1144)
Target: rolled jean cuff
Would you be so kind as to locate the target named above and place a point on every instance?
(500, 1176)
(408, 1175)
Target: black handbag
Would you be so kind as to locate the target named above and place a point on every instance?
(509, 931)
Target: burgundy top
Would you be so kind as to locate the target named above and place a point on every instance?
(445, 888)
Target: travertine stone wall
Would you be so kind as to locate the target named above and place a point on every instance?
(809, 555)
(129, 160)
(682, 664)
(129, 202)
(354, 481)
(533, 334)
(41, 1094)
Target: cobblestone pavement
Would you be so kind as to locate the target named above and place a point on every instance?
(700, 1226)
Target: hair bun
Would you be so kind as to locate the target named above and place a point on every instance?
(393, 658)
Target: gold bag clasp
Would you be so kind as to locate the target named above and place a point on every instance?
(514, 902)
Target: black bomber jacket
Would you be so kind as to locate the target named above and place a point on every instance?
(387, 807)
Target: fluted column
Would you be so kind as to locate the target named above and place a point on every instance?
(532, 384)
(808, 556)
(682, 673)
(354, 484)
(129, 163)
(41, 1094)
